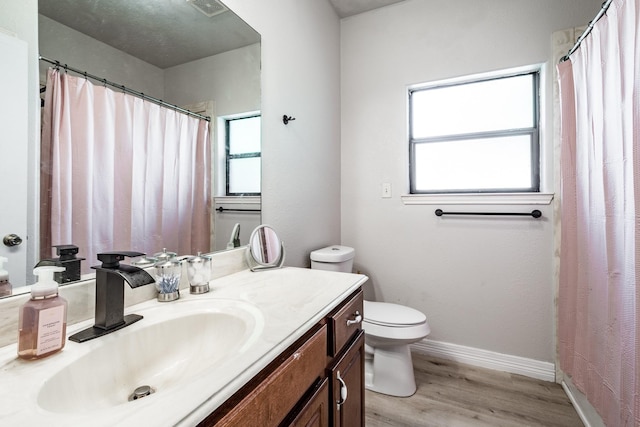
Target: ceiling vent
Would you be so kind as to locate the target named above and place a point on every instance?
(208, 7)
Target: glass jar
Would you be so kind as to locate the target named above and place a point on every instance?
(199, 273)
(168, 272)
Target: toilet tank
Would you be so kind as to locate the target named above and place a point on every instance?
(333, 258)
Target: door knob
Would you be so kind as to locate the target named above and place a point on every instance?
(11, 240)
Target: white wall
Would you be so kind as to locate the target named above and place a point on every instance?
(64, 44)
(230, 79)
(485, 283)
(301, 161)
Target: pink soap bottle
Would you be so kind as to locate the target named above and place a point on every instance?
(42, 325)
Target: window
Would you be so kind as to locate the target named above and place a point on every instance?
(479, 136)
(243, 163)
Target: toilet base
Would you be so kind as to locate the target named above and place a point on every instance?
(389, 370)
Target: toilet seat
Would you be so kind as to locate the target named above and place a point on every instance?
(395, 335)
(392, 315)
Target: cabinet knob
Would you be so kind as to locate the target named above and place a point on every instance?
(343, 391)
(357, 319)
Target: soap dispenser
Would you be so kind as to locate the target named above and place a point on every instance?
(42, 324)
(5, 285)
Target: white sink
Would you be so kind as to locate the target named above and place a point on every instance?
(196, 352)
(170, 347)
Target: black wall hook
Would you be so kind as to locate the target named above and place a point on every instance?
(286, 119)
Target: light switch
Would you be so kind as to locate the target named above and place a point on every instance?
(386, 190)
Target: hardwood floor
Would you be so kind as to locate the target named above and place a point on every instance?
(454, 395)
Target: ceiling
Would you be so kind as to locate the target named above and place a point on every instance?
(345, 8)
(167, 33)
(164, 33)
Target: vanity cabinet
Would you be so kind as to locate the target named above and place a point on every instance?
(316, 382)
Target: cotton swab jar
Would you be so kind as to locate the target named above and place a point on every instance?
(199, 273)
(168, 273)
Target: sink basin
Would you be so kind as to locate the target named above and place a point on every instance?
(172, 346)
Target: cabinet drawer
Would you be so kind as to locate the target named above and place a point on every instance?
(345, 323)
(269, 403)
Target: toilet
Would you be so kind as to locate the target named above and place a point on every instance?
(389, 329)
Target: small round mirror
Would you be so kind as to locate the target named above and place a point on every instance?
(265, 248)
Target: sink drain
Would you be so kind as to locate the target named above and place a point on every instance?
(140, 392)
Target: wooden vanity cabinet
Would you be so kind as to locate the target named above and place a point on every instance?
(304, 385)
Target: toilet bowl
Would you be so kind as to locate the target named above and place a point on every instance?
(389, 329)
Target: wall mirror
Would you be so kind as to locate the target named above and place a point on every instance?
(188, 53)
(265, 249)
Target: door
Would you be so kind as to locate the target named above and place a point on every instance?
(347, 386)
(13, 156)
(315, 412)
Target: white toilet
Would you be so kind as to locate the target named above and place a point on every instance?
(388, 331)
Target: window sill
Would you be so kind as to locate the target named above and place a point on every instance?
(238, 200)
(478, 199)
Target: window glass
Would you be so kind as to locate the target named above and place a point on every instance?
(478, 136)
(490, 105)
(243, 159)
(492, 162)
(244, 135)
(244, 175)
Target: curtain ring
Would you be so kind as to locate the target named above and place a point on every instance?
(104, 82)
(85, 75)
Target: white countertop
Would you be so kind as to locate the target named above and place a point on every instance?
(291, 300)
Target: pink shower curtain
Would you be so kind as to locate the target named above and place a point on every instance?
(599, 302)
(125, 174)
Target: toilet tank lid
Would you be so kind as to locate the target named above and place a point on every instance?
(384, 313)
(335, 253)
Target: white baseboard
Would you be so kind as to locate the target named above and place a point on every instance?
(545, 371)
(585, 410)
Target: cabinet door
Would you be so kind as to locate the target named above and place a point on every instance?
(347, 386)
(315, 412)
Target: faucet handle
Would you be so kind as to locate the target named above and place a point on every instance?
(112, 259)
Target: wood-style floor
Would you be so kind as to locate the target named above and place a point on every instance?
(454, 395)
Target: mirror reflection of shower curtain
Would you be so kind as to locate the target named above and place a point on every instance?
(125, 174)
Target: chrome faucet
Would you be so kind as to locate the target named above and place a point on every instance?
(110, 278)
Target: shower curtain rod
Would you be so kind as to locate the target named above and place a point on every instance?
(124, 89)
(600, 14)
